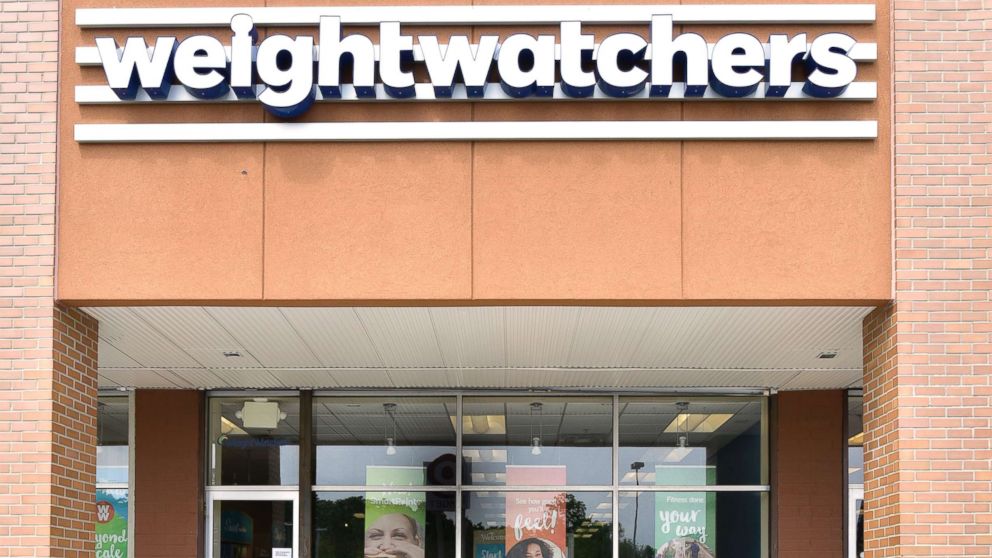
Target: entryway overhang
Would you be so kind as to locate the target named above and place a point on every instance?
(524, 347)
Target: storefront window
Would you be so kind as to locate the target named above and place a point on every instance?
(855, 475)
(672, 441)
(397, 524)
(551, 524)
(516, 476)
(112, 440)
(690, 524)
(372, 441)
(254, 441)
(525, 441)
(112, 476)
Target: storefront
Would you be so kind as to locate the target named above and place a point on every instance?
(295, 280)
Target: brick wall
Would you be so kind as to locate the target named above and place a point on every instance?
(928, 396)
(168, 473)
(47, 354)
(807, 480)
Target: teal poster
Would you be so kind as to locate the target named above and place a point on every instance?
(488, 543)
(111, 523)
(395, 521)
(685, 522)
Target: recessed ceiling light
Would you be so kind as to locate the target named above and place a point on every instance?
(827, 354)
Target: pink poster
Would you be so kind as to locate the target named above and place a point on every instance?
(535, 521)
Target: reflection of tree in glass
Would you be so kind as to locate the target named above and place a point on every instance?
(337, 530)
(588, 538)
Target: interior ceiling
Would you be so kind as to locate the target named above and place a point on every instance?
(480, 347)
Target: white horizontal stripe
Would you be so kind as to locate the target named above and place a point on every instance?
(104, 95)
(478, 131)
(90, 55)
(480, 15)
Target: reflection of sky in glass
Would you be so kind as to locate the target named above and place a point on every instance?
(345, 465)
(584, 465)
(111, 464)
(856, 465)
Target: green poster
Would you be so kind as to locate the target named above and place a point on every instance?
(685, 522)
(395, 521)
(111, 523)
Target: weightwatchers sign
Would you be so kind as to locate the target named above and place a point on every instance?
(285, 73)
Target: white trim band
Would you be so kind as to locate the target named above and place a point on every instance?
(479, 131)
(104, 95)
(481, 15)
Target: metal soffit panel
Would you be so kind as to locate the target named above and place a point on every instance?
(480, 347)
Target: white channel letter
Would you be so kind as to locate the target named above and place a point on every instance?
(393, 49)
(574, 81)
(152, 70)
(242, 42)
(832, 69)
(289, 88)
(612, 80)
(196, 54)
(663, 50)
(442, 66)
(783, 52)
(332, 47)
(732, 53)
(540, 78)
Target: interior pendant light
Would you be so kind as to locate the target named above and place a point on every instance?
(535, 441)
(390, 435)
(682, 429)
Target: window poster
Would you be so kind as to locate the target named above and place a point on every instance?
(535, 521)
(685, 524)
(111, 523)
(489, 543)
(395, 521)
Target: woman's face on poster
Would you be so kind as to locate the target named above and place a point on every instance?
(533, 550)
(390, 530)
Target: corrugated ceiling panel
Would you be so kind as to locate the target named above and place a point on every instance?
(571, 378)
(471, 337)
(201, 378)
(608, 337)
(823, 379)
(143, 378)
(404, 337)
(305, 378)
(247, 378)
(783, 337)
(703, 378)
(137, 339)
(267, 335)
(431, 377)
(538, 336)
(363, 378)
(198, 334)
(109, 357)
(335, 335)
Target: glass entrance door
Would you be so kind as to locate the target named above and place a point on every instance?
(855, 521)
(252, 524)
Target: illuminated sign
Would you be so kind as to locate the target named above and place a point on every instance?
(336, 62)
(285, 73)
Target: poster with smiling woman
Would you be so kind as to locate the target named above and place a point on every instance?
(394, 521)
(535, 521)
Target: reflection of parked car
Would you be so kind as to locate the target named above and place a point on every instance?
(684, 547)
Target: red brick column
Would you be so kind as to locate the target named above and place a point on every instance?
(47, 353)
(807, 480)
(928, 396)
